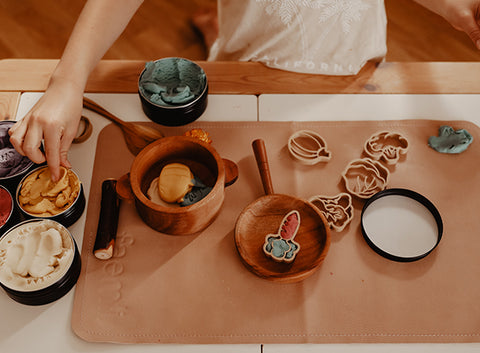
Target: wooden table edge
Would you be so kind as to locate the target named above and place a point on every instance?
(121, 76)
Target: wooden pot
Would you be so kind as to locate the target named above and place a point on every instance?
(204, 162)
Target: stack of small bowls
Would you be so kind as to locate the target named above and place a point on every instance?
(17, 226)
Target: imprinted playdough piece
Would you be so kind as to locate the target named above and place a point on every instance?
(386, 146)
(174, 182)
(365, 177)
(280, 246)
(450, 141)
(337, 210)
(198, 192)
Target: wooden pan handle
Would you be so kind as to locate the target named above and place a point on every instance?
(262, 164)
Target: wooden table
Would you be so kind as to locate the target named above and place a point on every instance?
(18, 76)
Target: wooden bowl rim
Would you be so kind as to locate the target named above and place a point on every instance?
(135, 178)
(285, 277)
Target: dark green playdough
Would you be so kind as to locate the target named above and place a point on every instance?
(172, 81)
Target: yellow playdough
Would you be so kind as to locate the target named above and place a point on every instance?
(42, 197)
(174, 182)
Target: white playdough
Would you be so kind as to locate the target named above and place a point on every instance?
(35, 255)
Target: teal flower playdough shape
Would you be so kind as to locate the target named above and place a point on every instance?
(281, 247)
(172, 81)
(450, 141)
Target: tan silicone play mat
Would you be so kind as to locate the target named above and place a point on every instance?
(195, 289)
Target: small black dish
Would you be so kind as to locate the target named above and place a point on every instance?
(162, 77)
(7, 207)
(68, 217)
(55, 285)
(11, 178)
(401, 225)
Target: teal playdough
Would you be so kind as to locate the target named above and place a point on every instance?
(172, 81)
(198, 192)
(281, 248)
(450, 141)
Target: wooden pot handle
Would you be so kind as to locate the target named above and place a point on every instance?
(124, 188)
(231, 171)
(262, 164)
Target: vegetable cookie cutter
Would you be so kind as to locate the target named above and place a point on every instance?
(308, 147)
(365, 177)
(386, 146)
(337, 210)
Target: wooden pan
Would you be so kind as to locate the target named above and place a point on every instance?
(264, 215)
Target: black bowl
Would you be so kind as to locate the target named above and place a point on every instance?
(162, 77)
(66, 217)
(6, 210)
(58, 284)
(11, 178)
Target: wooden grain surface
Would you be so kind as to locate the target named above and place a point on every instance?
(40, 29)
(120, 76)
(8, 105)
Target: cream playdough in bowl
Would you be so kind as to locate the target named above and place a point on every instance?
(35, 255)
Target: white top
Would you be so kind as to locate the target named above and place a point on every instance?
(332, 37)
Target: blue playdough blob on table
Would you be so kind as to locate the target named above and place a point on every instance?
(450, 141)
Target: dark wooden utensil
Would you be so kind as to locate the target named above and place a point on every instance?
(137, 135)
(264, 215)
(108, 221)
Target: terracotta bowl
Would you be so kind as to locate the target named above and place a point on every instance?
(205, 164)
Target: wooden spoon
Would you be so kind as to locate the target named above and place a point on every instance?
(137, 135)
